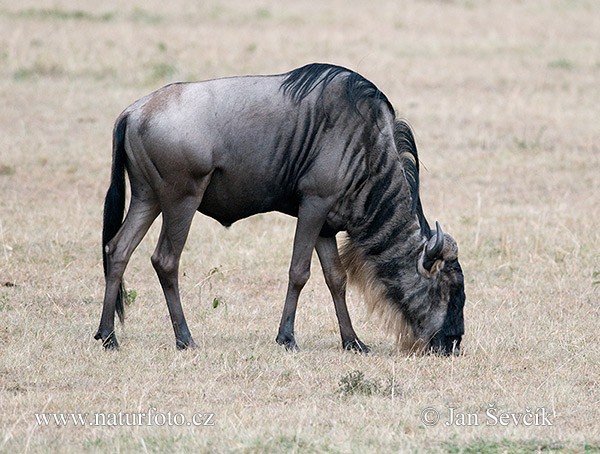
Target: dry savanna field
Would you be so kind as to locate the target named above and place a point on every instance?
(504, 99)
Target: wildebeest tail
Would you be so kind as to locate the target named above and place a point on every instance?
(114, 202)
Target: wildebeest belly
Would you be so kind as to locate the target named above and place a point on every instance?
(229, 199)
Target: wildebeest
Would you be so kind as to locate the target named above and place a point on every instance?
(320, 143)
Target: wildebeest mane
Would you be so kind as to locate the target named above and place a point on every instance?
(300, 82)
(407, 150)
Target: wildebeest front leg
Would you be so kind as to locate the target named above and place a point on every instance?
(311, 217)
(335, 277)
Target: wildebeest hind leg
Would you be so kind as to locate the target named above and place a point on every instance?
(335, 277)
(139, 218)
(177, 219)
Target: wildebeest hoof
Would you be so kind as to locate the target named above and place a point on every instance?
(109, 341)
(188, 344)
(356, 345)
(288, 342)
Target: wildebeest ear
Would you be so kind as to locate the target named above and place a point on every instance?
(450, 250)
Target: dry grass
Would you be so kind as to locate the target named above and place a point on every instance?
(504, 99)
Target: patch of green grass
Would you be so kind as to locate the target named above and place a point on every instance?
(522, 144)
(130, 296)
(96, 443)
(146, 443)
(146, 17)
(355, 383)
(505, 446)
(160, 72)
(561, 63)
(38, 69)
(158, 443)
(100, 74)
(285, 443)
(61, 14)
(23, 74)
(217, 12)
(4, 303)
(215, 274)
(527, 144)
(530, 143)
(89, 300)
(217, 302)
(263, 13)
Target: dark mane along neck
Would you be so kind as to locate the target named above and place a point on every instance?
(385, 213)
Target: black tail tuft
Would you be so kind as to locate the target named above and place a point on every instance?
(114, 202)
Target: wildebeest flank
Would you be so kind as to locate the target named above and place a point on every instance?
(320, 143)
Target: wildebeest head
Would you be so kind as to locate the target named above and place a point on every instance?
(439, 260)
(417, 290)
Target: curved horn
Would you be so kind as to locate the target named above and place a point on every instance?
(434, 251)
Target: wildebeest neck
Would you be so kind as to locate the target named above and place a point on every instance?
(382, 253)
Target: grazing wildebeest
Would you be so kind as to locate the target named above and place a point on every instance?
(320, 143)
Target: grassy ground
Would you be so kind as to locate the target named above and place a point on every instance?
(503, 97)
